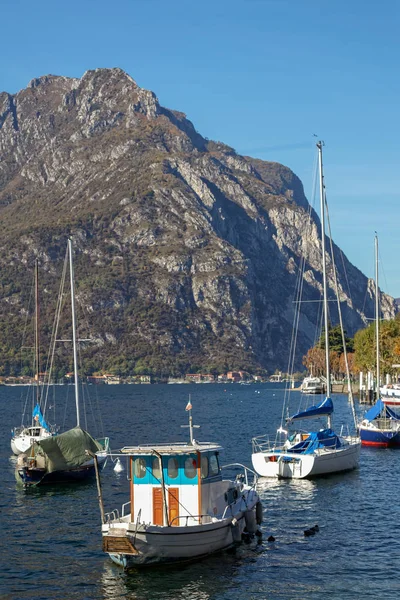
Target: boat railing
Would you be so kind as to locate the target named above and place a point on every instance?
(263, 443)
(348, 435)
(112, 516)
(123, 514)
(115, 515)
(201, 519)
(104, 443)
(244, 474)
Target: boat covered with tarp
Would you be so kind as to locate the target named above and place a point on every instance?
(380, 426)
(64, 457)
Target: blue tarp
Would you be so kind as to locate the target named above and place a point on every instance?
(379, 409)
(325, 407)
(317, 439)
(38, 413)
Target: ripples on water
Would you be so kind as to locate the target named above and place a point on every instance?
(51, 542)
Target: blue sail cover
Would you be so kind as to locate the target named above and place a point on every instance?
(38, 413)
(380, 409)
(325, 438)
(325, 407)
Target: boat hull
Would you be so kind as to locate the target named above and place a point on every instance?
(33, 476)
(291, 465)
(131, 545)
(390, 395)
(380, 438)
(21, 443)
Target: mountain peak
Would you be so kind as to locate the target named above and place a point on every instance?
(181, 244)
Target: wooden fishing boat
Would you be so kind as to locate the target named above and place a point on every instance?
(181, 507)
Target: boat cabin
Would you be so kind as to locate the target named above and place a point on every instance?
(35, 431)
(176, 484)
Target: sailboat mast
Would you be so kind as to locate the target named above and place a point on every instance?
(74, 343)
(37, 350)
(378, 374)
(325, 287)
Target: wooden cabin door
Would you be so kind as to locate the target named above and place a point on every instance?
(173, 506)
(158, 512)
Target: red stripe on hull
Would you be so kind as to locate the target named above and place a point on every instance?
(375, 444)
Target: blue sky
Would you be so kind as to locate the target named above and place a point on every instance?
(259, 75)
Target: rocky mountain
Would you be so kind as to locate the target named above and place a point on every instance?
(187, 255)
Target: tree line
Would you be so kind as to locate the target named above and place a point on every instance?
(361, 350)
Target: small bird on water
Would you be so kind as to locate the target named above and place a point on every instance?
(311, 531)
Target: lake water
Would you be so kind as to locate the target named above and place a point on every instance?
(51, 541)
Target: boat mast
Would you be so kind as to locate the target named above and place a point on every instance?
(325, 287)
(71, 273)
(37, 367)
(378, 374)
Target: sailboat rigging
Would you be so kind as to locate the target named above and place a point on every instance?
(311, 453)
(23, 437)
(67, 456)
(380, 426)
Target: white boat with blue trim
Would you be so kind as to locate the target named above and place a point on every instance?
(180, 508)
(302, 454)
(306, 454)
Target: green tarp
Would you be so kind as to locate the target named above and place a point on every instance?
(67, 450)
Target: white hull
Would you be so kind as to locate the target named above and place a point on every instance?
(22, 442)
(312, 385)
(142, 544)
(390, 394)
(287, 465)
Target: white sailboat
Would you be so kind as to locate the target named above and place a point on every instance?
(304, 454)
(180, 508)
(68, 456)
(23, 437)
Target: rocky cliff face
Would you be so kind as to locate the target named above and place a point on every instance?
(187, 255)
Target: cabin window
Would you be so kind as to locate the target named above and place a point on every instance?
(214, 467)
(140, 468)
(156, 468)
(190, 467)
(204, 466)
(172, 468)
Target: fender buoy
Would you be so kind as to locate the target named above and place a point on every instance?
(236, 534)
(259, 513)
(250, 519)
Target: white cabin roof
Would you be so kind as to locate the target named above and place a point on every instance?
(173, 448)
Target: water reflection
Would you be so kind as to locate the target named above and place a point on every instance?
(217, 576)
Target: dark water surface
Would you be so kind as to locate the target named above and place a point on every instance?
(51, 542)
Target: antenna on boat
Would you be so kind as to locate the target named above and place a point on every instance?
(191, 426)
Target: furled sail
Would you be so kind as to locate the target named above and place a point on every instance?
(38, 416)
(379, 409)
(325, 407)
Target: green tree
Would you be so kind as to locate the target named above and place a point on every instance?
(336, 339)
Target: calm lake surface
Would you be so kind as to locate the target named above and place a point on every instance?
(51, 541)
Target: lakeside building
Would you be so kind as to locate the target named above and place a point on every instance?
(200, 377)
